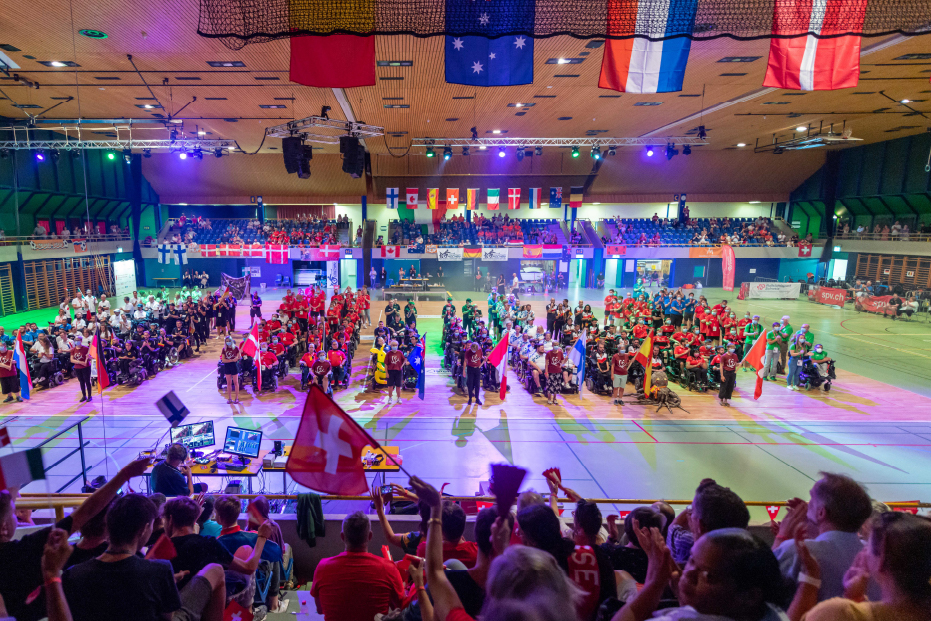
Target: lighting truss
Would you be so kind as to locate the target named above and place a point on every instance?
(559, 142)
(119, 145)
(322, 129)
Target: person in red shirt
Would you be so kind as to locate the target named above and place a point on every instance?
(394, 364)
(727, 320)
(640, 330)
(288, 297)
(337, 358)
(321, 369)
(264, 332)
(365, 303)
(273, 324)
(81, 360)
(284, 310)
(317, 302)
(474, 359)
(356, 585)
(696, 365)
(680, 353)
(305, 363)
(300, 308)
(553, 373)
(620, 363)
(332, 317)
(742, 324)
(455, 546)
(728, 374)
(269, 365)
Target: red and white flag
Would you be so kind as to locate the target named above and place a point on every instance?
(235, 612)
(208, 250)
(806, 62)
(499, 360)
(250, 347)
(390, 252)
(411, 198)
(4, 437)
(256, 251)
(513, 198)
(329, 252)
(804, 249)
(754, 357)
(276, 253)
(327, 452)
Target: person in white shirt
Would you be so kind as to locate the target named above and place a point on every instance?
(140, 313)
(154, 306)
(103, 307)
(79, 323)
(79, 305)
(134, 298)
(116, 318)
(91, 301)
(39, 231)
(128, 306)
(63, 318)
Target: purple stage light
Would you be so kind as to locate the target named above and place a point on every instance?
(182, 155)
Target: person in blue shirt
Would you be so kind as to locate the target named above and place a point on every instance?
(29, 333)
(676, 308)
(688, 311)
(172, 477)
(5, 338)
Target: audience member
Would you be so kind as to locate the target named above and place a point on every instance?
(454, 545)
(713, 507)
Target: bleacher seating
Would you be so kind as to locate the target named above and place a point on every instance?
(638, 229)
(222, 231)
(532, 232)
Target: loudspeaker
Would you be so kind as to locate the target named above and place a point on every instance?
(278, 450)
(292, 148)
(348, 145)
(354, 161)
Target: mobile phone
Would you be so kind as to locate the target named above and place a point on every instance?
(386, 490)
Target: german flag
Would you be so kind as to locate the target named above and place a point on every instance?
(471, 253)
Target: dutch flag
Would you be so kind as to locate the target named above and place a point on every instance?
(19, 356)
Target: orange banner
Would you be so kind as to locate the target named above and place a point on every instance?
(705, 252)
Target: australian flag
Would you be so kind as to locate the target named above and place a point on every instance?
(556, 198)
(482, 60)
(416, 360)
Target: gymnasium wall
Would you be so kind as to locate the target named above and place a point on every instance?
(214, 267)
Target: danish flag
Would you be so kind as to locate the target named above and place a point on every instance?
(276, 253)
(329, 252)
(208, 250)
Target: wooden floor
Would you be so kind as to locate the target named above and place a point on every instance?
(769, 449)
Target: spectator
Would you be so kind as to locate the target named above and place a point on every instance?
(837, 509)
(207, 526)
(25, 553)
(39, 231)
(631, 557)
(898, 557)
(356, 585)
(713, 507)
(454, 545)
(93, 541)
(408, 542)
(120, 584)
(172, 477)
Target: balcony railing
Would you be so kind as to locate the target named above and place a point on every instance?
(93, 238)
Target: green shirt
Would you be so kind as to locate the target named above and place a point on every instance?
(467, 312)
(819, 355)
(786, 330)
(751, 332)
(771, 335)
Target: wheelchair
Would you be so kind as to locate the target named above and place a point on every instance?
(135, 373)
(810, 377)
(244, 374)
(696, 380)
(55, 378)
(409, 377)
(269, 380)
(307, 376)
(596, 381)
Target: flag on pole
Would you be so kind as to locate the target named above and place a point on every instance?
(471, 198)
(432, 196)
(452, 198)
(575, 196)
(411, 199)
(417, 360)
(639, 65)
(577, 356)
(498, 358)
(754, 357)
(391, 198)
(19, 357)
(96, 352)
(810, 63)
(250, 347)
(327, 452)
(513, 198)
(536, 197)
(645, 358)
(555, 198)
(21, 468)
(493, 197)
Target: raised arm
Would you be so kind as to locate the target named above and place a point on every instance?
(249, 565)
(379, 503)
(445, 598)
(102, 497)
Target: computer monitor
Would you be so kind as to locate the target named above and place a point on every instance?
(194, 435)
(243, 442)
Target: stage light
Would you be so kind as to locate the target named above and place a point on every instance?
(671, 151)
(474, 133)
(575, 152)
(198, 154)
(520, 154)
(482, 147)
(538, 151)
(147, 153)
(111, 155)
(686, 149)
(127, 156)
(612, 151)
(906, 101)
(702, 134)
(40, 156)
(218, 152)
(183, 155)
(501, 152)
(649, 151)
(58, 63)
(55, 155)
(465, 151)
(430, 152)
(596, 152)
(741, 144)
(447, 153)
(801, 128)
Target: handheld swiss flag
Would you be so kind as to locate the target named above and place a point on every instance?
(773, 511)
(235, 612)
(754, 357)
(327, 451)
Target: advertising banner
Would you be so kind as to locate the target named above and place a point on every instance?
(449, 254)
(773, 290)
(728, 267)
(494, 254)
(705, 252)
(873, 304)
(827, 295)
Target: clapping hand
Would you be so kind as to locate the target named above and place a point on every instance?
(857, 577)
(661, 567)
(809, 563)
(797, 517)
(426, 492)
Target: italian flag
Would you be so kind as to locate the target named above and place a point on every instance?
(499, 359)
(19, 469)
(430, 217)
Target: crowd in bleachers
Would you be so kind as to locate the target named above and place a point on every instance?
(837, 556)
(498, 230)
(301, 232)
(658, 231)
(883, 231)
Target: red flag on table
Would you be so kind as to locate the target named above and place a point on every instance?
(334, 61)
(4, 437)
(327, 451)
(754, 357)
(807, 61)
(96, 352)
(235, 612)
(728, 267)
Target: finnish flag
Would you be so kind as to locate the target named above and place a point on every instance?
(577, 356)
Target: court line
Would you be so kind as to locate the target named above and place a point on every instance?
(212, 373)
(646, 432)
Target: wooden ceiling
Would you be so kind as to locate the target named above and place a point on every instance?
(173, 60)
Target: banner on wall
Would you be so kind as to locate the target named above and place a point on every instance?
(449, 254)
(705, 252)
(728, 267)
(872, 304)
(615, 250)
(494, 254)
(332, 274)
(827, 295)
(124, 273)
(772, 290)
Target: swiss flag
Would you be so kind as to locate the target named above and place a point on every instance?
(804, 249)
(208, 250)
(513, 198)
(390, 252)
(235, 612)
(773, 511)
(329, 252)
(327, 452)
(276, 253)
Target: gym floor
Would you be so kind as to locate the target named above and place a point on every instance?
(875, 424)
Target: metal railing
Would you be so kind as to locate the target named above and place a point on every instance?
(909, 237)
(92, 237)
(79, 449)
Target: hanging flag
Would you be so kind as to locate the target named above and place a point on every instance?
(728, 267)
(432, 196)
(208, 250)
(417, 360)
(575, 196)
(533, 252)
(390, 252)
(164, 253)
(328, 252)
(391, 198)
(486, 60)
(536, 197)
(754, 357)
(19, 357)
(411, 198)
(96, 352)
(577, 357)
(806, 62)
(471, 198)
(639, 65)
(80, 246)
(493, 197)
(21, 468)
(327, 452)
(555, 198)
(471, 253)
(552, 251)
(276, 253)
(338, 60)
(4, 437)
(645, 358)
(513, 198)
(452, 198)
(498, 358)
(179, 255)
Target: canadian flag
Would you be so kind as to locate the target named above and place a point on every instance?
(329, 252)
(804, 249)
(327, 452)
(208, 250)
(276, 253)
(513, 198)
(411, 198)
(390, 252)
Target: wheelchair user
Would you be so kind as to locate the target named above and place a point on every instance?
(306, 362)
(321, 370)
(601, 369)
(337, 359)
(269, 366)
(278, 349)
(696, 366)
(181, 341)
(821, 360)
(128, 355)
(536, 362)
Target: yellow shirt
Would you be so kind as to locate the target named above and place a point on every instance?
(840, 609)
